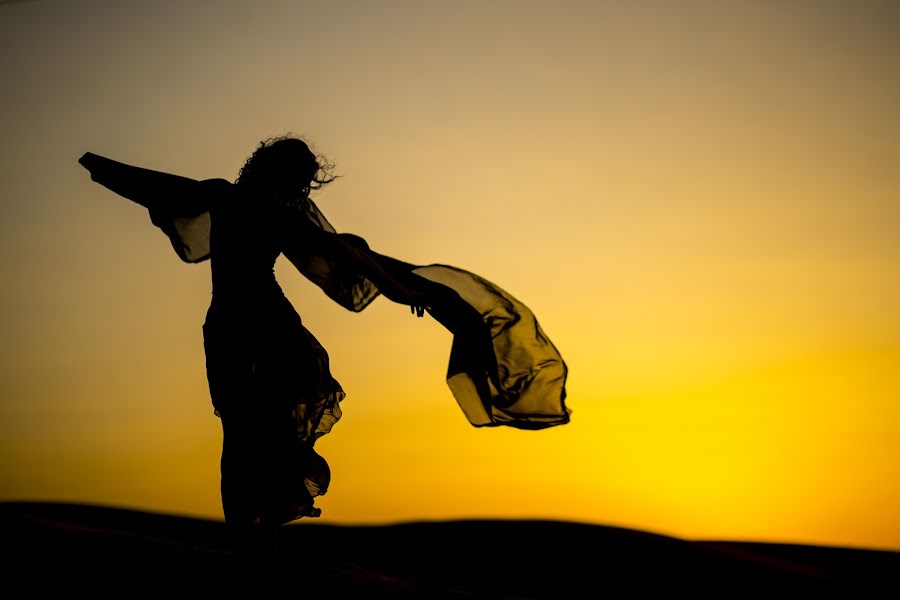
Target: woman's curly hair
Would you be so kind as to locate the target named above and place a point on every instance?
(285, 168)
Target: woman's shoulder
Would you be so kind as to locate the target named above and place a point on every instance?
(219, 185)
(220, 192)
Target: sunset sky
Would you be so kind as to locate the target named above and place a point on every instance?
(700, 201)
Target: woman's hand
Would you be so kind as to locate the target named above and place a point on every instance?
(417, 302)
(396, 292)
(86, 160)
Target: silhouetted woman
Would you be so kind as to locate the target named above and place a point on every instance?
(269, 378)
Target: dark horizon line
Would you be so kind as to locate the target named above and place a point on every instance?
(312, 522)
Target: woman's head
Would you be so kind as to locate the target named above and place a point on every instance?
(284, 168)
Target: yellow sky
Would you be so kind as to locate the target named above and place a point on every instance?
(699, 201)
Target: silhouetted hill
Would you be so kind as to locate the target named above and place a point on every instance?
(56, 547)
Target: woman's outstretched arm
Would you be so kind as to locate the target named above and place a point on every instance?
(343, 265)
(392, 277)
(179, 206)
(172, 194)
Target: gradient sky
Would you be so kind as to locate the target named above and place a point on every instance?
(699, 200)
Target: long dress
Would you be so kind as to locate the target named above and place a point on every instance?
(269, 378)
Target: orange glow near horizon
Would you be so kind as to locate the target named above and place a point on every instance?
(699, 203)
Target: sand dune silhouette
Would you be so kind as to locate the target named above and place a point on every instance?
(54, 546)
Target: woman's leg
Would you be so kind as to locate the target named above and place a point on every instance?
(230, 371)
(238, 477)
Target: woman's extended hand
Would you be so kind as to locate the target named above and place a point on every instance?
(86, 159)
(417, 302)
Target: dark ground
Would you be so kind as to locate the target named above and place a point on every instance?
(77, 548)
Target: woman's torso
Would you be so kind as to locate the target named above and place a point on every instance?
(245, 241)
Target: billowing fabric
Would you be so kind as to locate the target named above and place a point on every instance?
(272, 388)
(503, 369)
(268, 373)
